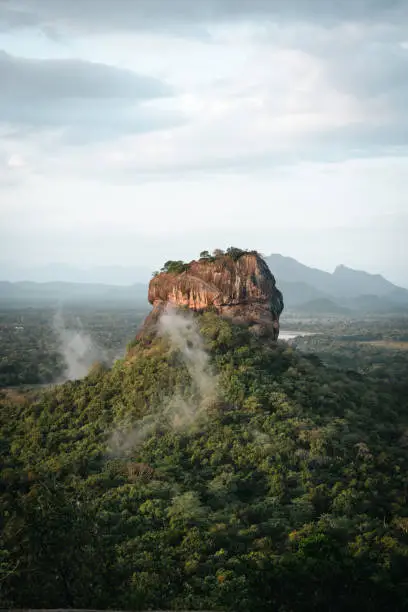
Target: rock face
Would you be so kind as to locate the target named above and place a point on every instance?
(242, 289)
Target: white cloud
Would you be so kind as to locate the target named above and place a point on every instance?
(15, 161)
(281, 129)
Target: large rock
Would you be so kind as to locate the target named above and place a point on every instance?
(241, 288)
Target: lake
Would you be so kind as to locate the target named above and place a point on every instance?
(287, 334)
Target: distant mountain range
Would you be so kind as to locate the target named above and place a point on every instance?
(344, 291)
(305, 289)
(57, 272)
(35, 294)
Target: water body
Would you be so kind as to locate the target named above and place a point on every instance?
(288, 334)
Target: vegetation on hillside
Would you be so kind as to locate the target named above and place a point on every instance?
(32, 351)
(288, 492)
(178, 266)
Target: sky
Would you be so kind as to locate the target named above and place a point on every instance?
(132, 132)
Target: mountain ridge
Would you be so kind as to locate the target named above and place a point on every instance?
(343, 286)
(61, 291)
(301, 285)
(128, 275)
(289, 269)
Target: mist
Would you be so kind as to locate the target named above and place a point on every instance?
(78, 349)
(182, 331)
(188, 408)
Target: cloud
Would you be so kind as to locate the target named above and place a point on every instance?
(379, 68)
(67, 79)
(366, 61)
(283, 108)
(275, 83)
(11, 18)
(15, 161)
(292, 113)
(90, 100)
(13, 167)
(271, 94)
(182, 15)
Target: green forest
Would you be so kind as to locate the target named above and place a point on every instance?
(225, 473)
(31, 346)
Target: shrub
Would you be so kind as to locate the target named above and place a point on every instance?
(175, 267)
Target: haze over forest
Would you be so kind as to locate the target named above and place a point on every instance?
(130, 131)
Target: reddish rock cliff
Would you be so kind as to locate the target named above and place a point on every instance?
(242, 289)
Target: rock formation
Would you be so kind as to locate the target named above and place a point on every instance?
(240, 287)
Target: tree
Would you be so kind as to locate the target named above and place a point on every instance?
(175, 266)
(297, 476)
(205, 255)
(235, 253)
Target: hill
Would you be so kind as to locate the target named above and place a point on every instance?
(375, 304)
(357, 282)
(290, 270)
(57, 272)
(343, 282)
(55, 292)
(345, 287)
(299, 283)
(297, 293)
(208, 469)
(323, 306)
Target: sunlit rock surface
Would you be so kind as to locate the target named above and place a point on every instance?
(242, 289)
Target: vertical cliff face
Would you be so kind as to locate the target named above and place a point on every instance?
(241, 288)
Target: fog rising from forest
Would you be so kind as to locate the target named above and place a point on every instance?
(77, 347)
(182, 331)
(187, 406)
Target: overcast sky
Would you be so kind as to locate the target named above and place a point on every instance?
(135, 131)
